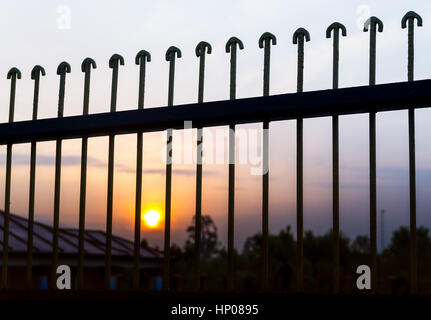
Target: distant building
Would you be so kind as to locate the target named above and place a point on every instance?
(94, 257)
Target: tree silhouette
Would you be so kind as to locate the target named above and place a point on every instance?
(209, 237)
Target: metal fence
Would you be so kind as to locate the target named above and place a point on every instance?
(367, 99)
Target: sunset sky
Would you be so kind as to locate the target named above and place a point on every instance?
(49, 32)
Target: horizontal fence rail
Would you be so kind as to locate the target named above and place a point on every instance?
(384, 97)
(297, 106)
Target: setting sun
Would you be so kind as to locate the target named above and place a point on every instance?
(152, 218)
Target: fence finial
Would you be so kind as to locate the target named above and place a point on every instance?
(265, 41)
(231, 47)
(37, 71)
(202, 48)
(115, 60)
(87, 63)
(141, 58)
(86, 66)
(408, 21)
(301, 33)
(373, 24)
(232, 42)
(336, 27)
(170, 57)
(170, 53)
(266, 38)
(13, 74)
(62, 69)
(411, 15)
(298, 38)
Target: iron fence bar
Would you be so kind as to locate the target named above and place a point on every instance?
(265, 42)
(170, 56)
(114, 62)
(336, 28)
(373, 24)
(140, 60)
(202, 49)
(409, 18)
(62, 69)
(299, 37)
(231, 46)
(6, 216)
(36, 72)
(13, 74)
(86, 66)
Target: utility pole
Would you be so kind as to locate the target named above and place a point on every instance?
(383, 229)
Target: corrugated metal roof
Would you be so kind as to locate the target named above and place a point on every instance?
(94, 240)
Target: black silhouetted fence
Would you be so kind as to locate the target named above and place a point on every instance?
(368, 99)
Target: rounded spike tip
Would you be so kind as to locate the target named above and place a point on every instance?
(115, 59)
(267, 35)
(87, 63)
(63, 68)
(201, 47)
(141, 56)
(301, 32)
(14, 71)
(234, 41)
(36, 71)
(170, 53)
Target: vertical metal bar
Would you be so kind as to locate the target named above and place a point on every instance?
(231, 46)
(168, 191)
(6, 215)
(140, 59)
(374, 25)
(265, 205)
(336, 27)
(170, 56)
(231, 187)
(265, 42)
(36, 72)
(412, 166)
(114, 62)
(335, 177)
(373, 188)
(82, 198)
(86, 67)
(200, 52)
(13, 74)
(198, 210)
(137, 248)
(109, 210)
(56, 211)
(31, 215)
(56, 219)
(299, 37)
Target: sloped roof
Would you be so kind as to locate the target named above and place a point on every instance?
(94, 240)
